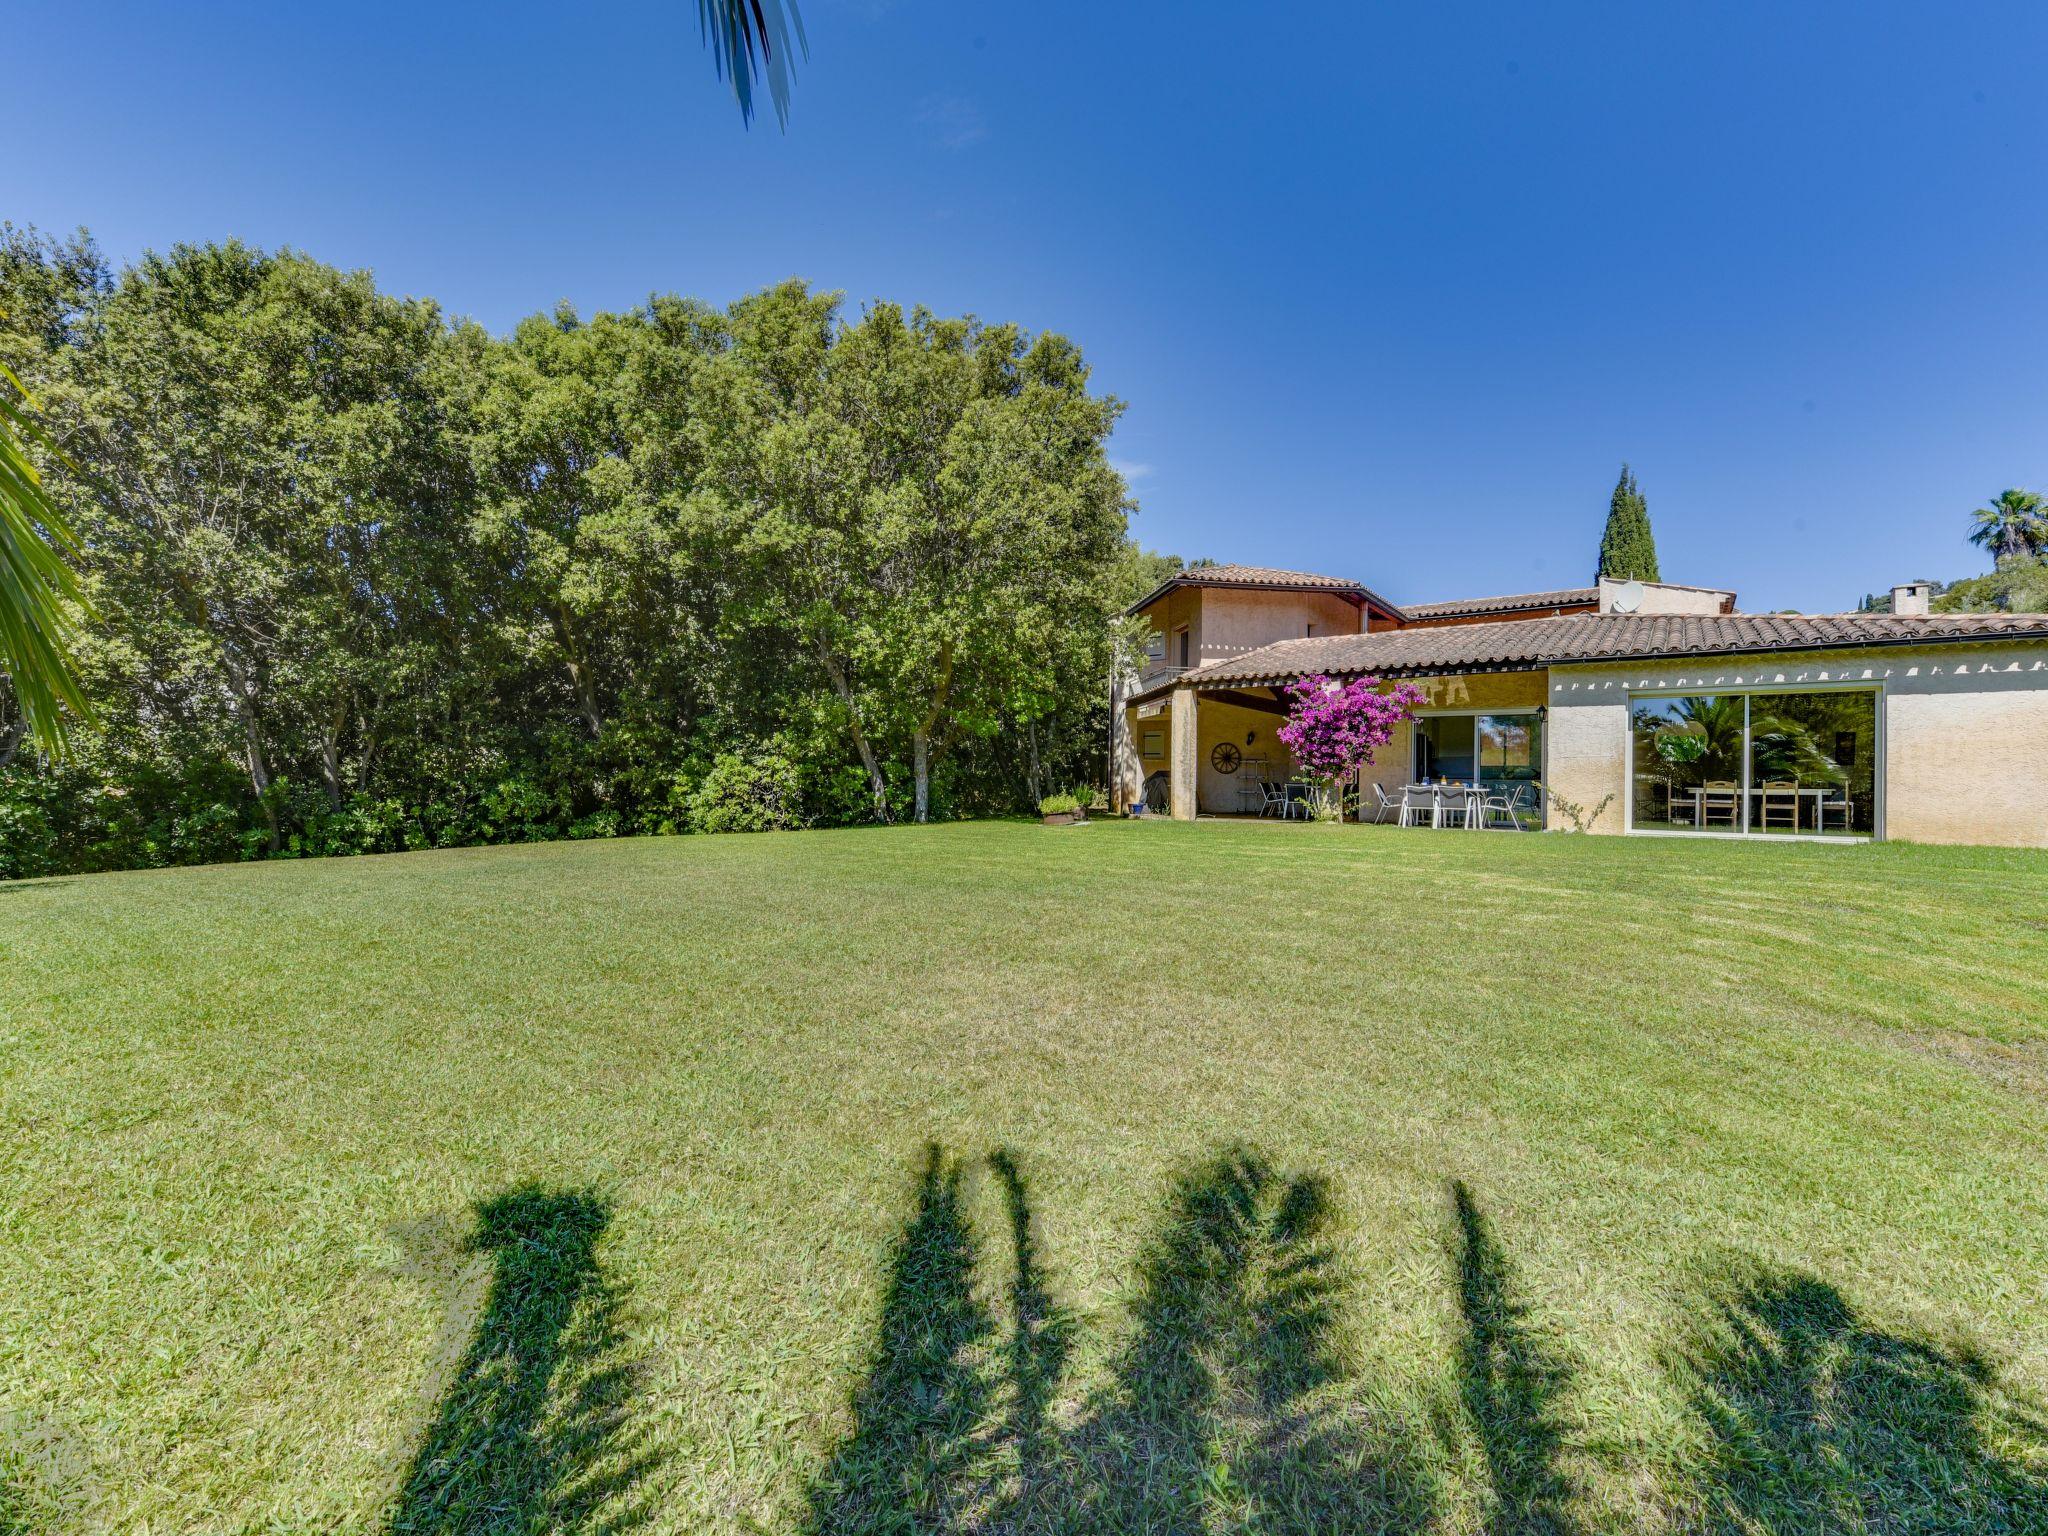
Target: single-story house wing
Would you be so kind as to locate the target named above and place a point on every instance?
(1627, 707)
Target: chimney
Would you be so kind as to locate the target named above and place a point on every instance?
(1913, 600)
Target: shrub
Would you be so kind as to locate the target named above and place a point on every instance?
(750, 792)
(1058, 805)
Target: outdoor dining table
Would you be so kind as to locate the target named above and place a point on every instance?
(1817, 793)
(1452, 797)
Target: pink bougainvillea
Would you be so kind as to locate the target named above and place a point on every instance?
(1333, 728)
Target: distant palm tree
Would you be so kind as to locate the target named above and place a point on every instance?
(2013, 525)
(749, 39)
(38, 588)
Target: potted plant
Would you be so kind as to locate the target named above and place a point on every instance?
(1061, 810)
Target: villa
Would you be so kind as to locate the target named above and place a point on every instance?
(1624, 707)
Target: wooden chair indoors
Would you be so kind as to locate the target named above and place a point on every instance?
(1829, 805)
(1722, 798)
(1780, 804)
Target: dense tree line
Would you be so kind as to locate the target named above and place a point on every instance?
(365, 579)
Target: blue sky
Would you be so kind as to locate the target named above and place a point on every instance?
(1391, 290)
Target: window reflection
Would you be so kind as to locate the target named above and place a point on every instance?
(1766, 764)
(1813, 762)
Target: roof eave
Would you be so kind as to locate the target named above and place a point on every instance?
(1238, 679)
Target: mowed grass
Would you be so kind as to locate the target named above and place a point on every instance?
(1146, 1177)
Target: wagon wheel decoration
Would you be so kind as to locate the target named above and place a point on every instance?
(1224, 757)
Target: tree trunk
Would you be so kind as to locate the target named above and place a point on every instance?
(10, 739)
(1032, 781)
(252, 748)
(921, 737)
(579, 676)
(259, 773)
(877, 785)
(330, 758)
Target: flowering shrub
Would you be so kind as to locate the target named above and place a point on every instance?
(1333, 728)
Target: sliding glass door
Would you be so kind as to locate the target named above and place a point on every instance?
(1511, 752)
(1795, 763)
(1444, 749)
(1503, 752)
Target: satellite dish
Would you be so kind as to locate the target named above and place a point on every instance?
(1628, 597)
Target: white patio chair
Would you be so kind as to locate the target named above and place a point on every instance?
(1389, 806)
(1505, 806)
(1460, 805)
(1274, 802)
(1418, 801)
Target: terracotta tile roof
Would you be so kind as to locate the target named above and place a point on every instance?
(1523, 644)
(1568, 597)
(1264, 576)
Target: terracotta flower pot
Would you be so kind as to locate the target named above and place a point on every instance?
(1065, 818)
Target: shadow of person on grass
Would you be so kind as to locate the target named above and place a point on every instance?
(1512, 1380)
(1821, 1423)
(915, 1459)
(533, 1432)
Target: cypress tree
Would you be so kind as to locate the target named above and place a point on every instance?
(1628, 550)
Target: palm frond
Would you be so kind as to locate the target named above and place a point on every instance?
(750, 42)
(39, 591)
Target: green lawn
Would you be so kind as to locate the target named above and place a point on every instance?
(1145, 1177)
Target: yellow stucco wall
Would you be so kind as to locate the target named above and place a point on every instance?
(1965, 732)
(1215, 722)
(1232, 723)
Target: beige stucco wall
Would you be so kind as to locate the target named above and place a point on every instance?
(1232, 723)
(1180, 607)
(1663, 597)
(1235, 622)
(1185, 717)
(1965, 732)
(1227, 622)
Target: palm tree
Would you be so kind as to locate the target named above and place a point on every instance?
(2013, 525)
(38, 587)
(749, 38)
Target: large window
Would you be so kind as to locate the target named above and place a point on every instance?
(1783, 764)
